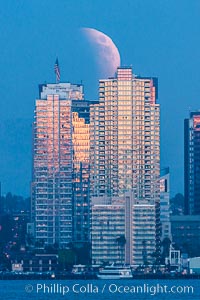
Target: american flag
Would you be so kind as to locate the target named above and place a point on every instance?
(57, 70)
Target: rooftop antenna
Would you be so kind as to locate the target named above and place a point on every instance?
(57, 71)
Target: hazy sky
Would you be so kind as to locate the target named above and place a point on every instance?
(158, 38)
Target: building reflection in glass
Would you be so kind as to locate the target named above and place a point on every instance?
(52, 190)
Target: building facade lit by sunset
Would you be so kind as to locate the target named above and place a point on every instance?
(125, 142)
(60, 185)
(125, 137)
(80, 173)
(192, 164)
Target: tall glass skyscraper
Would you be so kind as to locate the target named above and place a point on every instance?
(192, 163)
(125, 154)
(60, 180)
(125, 137)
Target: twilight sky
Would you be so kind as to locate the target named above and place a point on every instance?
(158, 38)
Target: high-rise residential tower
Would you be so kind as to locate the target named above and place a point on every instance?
(192, 163)
(125, 149)
(125, 137)
(122, 230)
(60, 180)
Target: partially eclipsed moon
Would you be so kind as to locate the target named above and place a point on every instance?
(107, 54)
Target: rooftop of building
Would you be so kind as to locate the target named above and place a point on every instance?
(164, 171)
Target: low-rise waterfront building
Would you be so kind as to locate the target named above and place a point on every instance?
(35, 263)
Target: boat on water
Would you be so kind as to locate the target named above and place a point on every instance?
(115, 272)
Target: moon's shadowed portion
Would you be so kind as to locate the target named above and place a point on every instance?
(105, 51)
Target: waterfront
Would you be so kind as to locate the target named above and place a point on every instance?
(100, 289)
